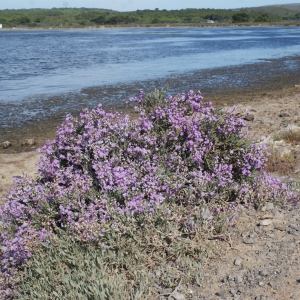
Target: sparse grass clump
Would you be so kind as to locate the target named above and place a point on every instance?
(290, 135)
(129, 198)
(279, 161)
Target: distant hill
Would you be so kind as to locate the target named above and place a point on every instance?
(287, 11)
(292, 6)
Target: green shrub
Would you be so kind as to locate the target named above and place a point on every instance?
(240, 17)
(123, 266)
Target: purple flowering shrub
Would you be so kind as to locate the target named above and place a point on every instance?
(180, 151)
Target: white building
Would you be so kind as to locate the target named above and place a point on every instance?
(0, 26)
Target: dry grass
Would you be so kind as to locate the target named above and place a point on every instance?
(290, 136)
(279, 162)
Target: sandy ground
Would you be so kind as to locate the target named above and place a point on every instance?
(269, 266)
(14, 165)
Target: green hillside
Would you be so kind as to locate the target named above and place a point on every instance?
(86, 17)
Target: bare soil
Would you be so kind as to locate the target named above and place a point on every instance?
(269, 255)
(14, 165)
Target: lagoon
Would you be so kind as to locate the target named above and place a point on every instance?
(38, 66)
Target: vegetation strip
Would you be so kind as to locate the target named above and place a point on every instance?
(83, 17)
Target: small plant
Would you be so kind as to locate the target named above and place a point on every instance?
(279, 161)
(141, 193)
(290, 135)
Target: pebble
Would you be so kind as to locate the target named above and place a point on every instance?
(249, 117)
(233, 291)
(266, 222)
(271, 235)
(6, 144)
(248, 241)
(221, 293)
(238, 279)
(28, 142)
(279, 216)
(269, 206)
(294, 226)
(280, 227)
(238, 261)
(166, 291)
(283, 115)
(157, 273)
(272, 284)
(178, 296)
(264, 272)
(266, 217)
(294, 232)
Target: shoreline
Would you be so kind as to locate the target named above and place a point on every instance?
(43, 130)
(101, 27)
(221, 86)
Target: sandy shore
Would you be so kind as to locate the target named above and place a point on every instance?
(14, 165)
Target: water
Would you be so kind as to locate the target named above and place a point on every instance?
(37, 65)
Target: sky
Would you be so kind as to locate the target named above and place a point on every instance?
(132, 5)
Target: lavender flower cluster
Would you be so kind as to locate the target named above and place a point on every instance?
(180, 150)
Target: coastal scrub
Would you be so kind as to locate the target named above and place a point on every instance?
(181, 171)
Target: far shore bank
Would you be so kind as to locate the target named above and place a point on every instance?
(204, 25)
